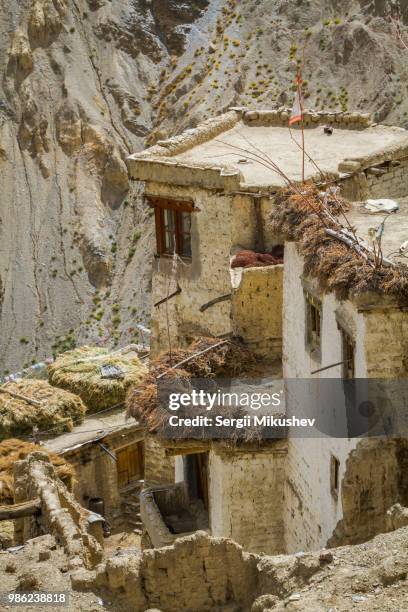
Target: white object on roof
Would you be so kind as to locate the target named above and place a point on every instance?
(404, 247)
(383, 205)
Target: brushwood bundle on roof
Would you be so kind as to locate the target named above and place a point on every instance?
(83, 371)
(204, 358)
(305, 217)
(13, 450)
(30, 403)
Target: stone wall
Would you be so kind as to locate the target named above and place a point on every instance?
(257, 310)
(159, 467)
(385, 180)
(246, 497)
(375, 478)
(60, 515)
(204, 574)
(280, 117)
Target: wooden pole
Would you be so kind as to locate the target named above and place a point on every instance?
(29, 508)
(180, 363)
(29, 400)
(302, 123)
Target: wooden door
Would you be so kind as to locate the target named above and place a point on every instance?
(130, 463)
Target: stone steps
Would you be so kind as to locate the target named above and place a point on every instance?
(130, 507)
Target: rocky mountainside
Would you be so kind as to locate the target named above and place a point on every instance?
(86, 82)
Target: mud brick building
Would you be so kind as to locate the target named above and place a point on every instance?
(214, 195)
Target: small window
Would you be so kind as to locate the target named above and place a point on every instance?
(173, 226)
(348, 350)
(334, 475)
(313, 321)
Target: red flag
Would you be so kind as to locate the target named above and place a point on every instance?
(297, 110)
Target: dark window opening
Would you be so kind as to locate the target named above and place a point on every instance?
(173, 226)
(348, 350)
(313, 321)
(334, 475)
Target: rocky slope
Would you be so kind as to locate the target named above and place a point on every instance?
(85, 82)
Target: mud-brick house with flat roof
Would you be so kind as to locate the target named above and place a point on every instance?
(345, 318)
(216, 192)
(212, 196)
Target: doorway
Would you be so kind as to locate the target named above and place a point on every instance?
(196, 476)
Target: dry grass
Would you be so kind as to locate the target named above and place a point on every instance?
(338, 267)
(59, 409)
(79, 372)
(228, 360)
(13, 450)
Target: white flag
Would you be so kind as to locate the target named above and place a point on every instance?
(297, 110)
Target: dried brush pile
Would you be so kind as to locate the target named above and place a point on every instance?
(13, 450)
(227, 359)
(30, 403)
(305, 218)
(79, 371)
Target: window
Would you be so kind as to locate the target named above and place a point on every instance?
(348, 350)
(313, 321)
(334, 475)
(173, 226)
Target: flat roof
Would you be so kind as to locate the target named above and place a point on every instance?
(226, 152)
(92, 429)
(395, 227)
(327, 151)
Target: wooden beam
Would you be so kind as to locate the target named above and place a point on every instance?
(29, 508)
(172, 295)
(222, 298)
(24, 398)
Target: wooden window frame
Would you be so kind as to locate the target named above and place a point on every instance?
(160, 205)
(314, 321)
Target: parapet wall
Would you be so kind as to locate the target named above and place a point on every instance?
(176, 145)
(60, 515)
(280, 117)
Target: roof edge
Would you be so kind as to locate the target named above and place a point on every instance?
(209, 129)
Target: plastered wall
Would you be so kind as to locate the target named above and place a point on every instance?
(246, 498)
(159, 467)
(257, 310)
(204, 278)
(312, 511)
(222, 225)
